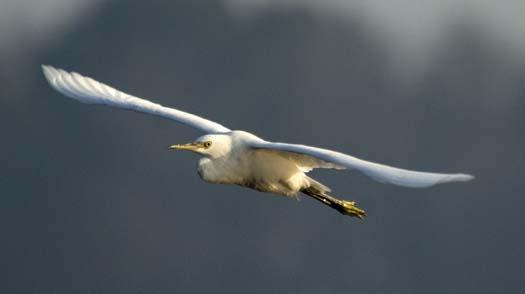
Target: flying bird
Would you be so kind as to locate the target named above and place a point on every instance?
(241, 158)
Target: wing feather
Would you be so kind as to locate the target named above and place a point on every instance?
(379, 172)
(88, 90)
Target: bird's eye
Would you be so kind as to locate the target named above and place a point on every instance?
(207, 144)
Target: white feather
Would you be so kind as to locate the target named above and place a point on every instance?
(87, 90)
(379, 172)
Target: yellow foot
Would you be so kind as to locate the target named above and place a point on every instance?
(349, 208)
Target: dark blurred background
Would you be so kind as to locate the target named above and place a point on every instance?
(92, 201)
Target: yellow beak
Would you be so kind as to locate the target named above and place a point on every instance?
(188, 146)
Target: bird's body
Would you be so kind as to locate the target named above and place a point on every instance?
(241, 158)
(259, 169)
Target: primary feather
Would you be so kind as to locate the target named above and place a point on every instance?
(87, 90)
(379, 172)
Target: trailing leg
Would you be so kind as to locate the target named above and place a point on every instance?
(343, 206)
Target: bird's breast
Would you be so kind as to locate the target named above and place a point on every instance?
(218, 171)
(259, 170)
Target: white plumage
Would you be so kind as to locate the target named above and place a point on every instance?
(238, 157)
(87, 90)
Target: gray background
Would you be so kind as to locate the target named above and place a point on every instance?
(92, 201)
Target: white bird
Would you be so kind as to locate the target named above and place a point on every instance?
(241, 158)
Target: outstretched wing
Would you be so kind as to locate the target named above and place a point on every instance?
(87, 90)
(379, 172)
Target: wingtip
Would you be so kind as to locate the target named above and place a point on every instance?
(46, 68)
(465, 177)
(48, 72)
(452, 178)
(469, 177)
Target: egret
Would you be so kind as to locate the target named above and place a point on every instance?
(241, 158)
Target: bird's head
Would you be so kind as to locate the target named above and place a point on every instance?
(213, 146)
